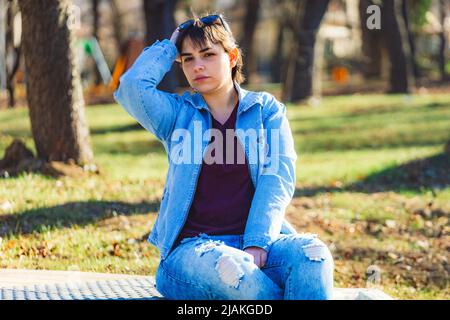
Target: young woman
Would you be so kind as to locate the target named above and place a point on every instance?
(221, 230)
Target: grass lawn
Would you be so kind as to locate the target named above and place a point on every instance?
(372, 182)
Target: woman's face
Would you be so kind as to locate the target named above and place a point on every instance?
(207, 69)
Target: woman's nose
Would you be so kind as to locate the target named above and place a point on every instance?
(199, 67)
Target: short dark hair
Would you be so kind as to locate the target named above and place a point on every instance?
(200, 34)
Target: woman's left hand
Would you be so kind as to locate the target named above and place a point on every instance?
(259, 255)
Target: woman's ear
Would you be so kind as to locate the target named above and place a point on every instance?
(233, 55)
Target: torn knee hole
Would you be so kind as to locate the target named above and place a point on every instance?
(315, 251)
(230, 271)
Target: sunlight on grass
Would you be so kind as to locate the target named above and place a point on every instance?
(324, 168)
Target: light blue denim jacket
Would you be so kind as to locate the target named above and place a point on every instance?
(174, 119)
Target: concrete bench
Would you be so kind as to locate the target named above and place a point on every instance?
(21, 284)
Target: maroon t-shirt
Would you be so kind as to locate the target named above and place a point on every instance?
(224, 191)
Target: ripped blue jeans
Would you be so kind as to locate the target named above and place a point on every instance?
(298, 267)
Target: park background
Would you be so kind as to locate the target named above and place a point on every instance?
(81, 181)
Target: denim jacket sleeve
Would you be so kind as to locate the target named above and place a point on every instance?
(276, 184)
(154, 109)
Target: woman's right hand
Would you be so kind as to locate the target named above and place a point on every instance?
(174, 36)
(173, 39)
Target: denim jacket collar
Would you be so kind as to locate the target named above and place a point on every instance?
(246, 99)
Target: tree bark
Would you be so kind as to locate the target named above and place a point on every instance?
(397, 44)
(54, 92)
(250, 22)
(160, 23)
(298, 83)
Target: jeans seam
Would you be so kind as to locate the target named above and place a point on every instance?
(289, 280)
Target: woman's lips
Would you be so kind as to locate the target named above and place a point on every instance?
(200, 79)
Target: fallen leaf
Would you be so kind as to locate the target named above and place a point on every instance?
(422, 244)
(116, 249)
(393, 256)
(391, 224)
(336, 184)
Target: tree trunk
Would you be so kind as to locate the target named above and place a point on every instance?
(250, 21)
(372, 54)
(95, 27)
(54, 93)
(298, 83)
(277, 61)
(396, 41)
(442, 40)
(117, 26)
(411, 40)
(160, 23)
(11, 50)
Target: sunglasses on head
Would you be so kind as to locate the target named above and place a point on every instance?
(207, 20)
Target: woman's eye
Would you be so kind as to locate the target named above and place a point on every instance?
(187, 59)
(209, 54)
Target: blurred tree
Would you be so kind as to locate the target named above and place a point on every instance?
(396, 40)
(299, 73)
(54, 92)
(414, 13)
(278, 60)
(250, 21)
(117, 26)
(372, 44)
(13, 51)
(95, 27)
(160, 23)
(406, 13)
(443, 5)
